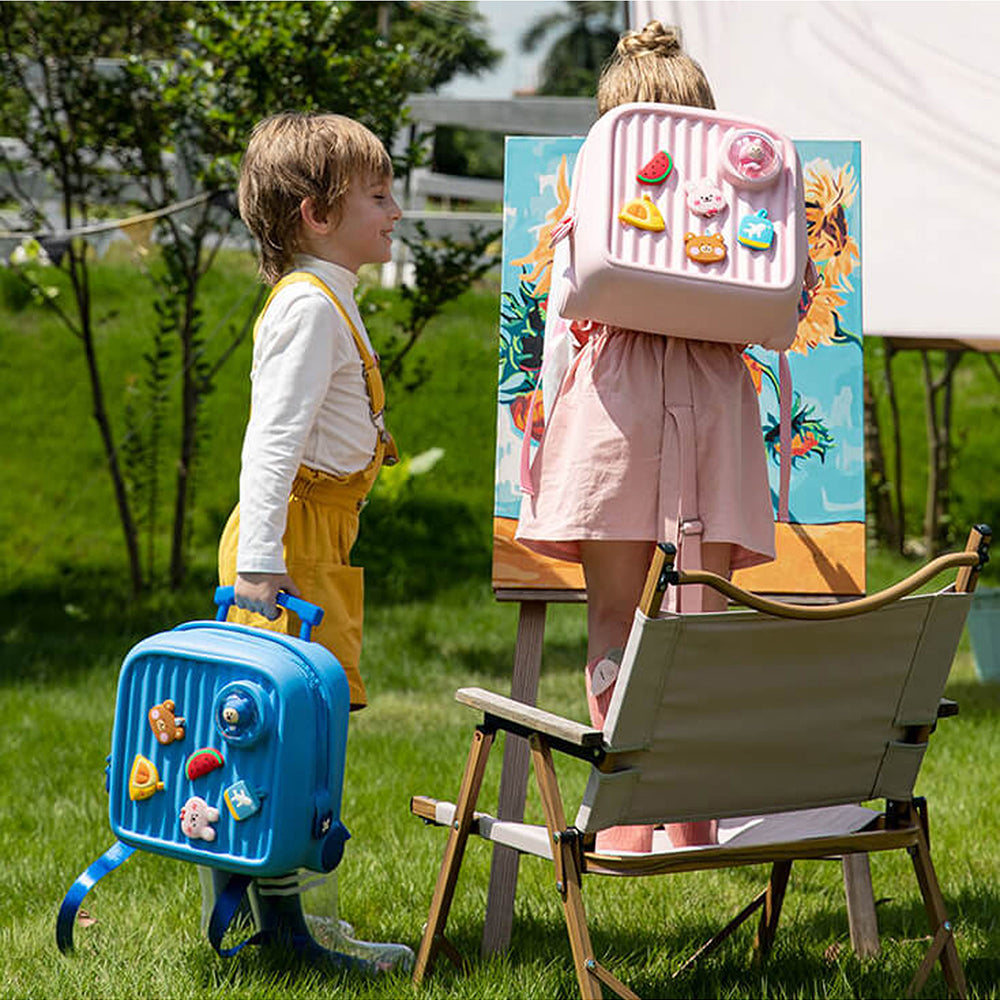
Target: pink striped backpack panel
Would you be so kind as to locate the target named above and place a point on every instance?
(685, 222)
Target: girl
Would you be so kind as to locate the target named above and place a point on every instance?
(606, 474)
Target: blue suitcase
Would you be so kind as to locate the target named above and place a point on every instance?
(228, 751)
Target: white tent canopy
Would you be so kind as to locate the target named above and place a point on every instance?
(919, 85)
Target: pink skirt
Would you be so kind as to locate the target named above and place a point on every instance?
(609, 462)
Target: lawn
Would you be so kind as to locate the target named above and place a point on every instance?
(432, 625)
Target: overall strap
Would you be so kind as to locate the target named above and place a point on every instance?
(116, 855)
(295, 277)
(689, 524)
(369, 362)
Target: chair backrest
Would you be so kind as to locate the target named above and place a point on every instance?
(742, 713)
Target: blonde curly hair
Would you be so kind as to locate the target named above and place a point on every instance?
(648, 64)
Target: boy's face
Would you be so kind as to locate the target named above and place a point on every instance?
(364, 233)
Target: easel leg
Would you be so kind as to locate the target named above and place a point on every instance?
(861, 916)
(514, 779)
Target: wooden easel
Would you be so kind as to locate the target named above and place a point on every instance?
(514, 772)
(499, 920)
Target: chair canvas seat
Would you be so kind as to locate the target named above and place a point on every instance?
(735, 832)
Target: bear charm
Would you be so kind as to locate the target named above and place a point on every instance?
(166, 726)
(707, 248)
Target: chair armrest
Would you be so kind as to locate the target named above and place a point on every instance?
(662, 574)
(526, 719)
(847, 609)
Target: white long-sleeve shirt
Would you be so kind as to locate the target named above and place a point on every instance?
(309, 405)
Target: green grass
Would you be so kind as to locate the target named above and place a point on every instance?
(413, 739)
(61, 522)
(432, 625)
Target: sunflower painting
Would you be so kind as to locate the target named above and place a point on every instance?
(821, 549)
(824, 542)
(830, 195)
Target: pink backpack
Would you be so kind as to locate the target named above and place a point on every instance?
(685, 222)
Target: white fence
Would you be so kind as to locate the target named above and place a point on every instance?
(519, 116)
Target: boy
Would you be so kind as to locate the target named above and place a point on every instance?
(316, 192)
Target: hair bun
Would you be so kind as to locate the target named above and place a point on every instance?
(655, 38)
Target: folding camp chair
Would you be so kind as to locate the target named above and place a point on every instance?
(778, 720)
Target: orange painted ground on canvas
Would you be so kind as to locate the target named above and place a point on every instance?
(517, 568)
(812, 559)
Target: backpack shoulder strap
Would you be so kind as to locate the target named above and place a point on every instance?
(226, 906)
(785, 433)
(111, 859)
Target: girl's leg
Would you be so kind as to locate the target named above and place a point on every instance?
(615, 573)
(715, 558)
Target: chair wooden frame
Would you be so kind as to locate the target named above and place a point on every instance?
(902, 825)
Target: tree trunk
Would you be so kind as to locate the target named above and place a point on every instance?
(897, 446)
(189, 431)
(938, 449)
(879, 487)
(111, 453)
(944, 472)
(77, 266)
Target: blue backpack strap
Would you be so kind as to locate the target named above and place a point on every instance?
(226, 904)
(116, 855)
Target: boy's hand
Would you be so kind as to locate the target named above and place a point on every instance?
(257, 592)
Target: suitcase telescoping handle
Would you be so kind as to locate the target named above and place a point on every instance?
(309, 614)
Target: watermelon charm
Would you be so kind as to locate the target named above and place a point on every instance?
(657, 170)
(203, 762)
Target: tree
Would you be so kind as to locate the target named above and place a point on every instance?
(239, 62)
(588, 31)
(101, 131)
(444, 268)
(447, 39)
(444, 38)
(55, 97)
(146, 132)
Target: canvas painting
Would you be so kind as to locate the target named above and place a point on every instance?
(821, 548)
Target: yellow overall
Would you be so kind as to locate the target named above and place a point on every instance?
(321, 529)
